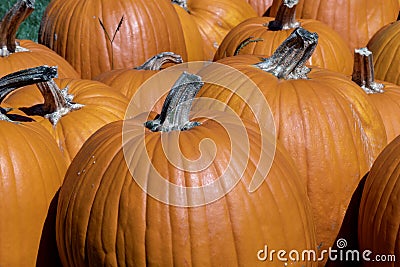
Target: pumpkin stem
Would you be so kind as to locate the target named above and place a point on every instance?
(245, 42)
(10, 24)
(57, 102)
(182, 4)
(288, 60)
(363, 71)
(15, 80)
(286, 17)
(156, 62)
(175, 111)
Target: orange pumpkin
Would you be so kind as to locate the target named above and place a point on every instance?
(214, 19)
(379, 216)
(16, 55)
(356, 21)
(32, 170)
(325, 121)
(227, 231)
(72, 114)
(124, 36)
(260, 6)
(127, 81)
(384, 45)
(262, 35)
(384, 95)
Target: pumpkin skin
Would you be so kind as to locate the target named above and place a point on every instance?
(384, 45)
(260, 6)
(128, 81)
(74, 32)
(215, 18)
(388, 105)
(123, 216)
(384, 95)
(379, 216)
(356, 21)
(102, 105)
(327, 124)
(37, 55)
(32, 170)
(331, 53)
(193, 38)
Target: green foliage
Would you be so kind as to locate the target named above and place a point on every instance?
(30, 27)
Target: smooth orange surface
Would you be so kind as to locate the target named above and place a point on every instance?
(32, 170)
(328, 125)
(72, 29)
(104, 217)
(384, 46)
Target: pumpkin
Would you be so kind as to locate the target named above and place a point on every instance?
(324, 120)
(384, 45)
(127, 226)
(262, 35)
(193, 39)
(379, 215)
(127, 81)
(384, 95)
(16, 55)
(124, 36)
(356, 21)
(32, 170)
(71, 114)
(260, 6)
(214, 19)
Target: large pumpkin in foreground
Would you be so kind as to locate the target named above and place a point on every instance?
(325, 121)
(105, 218)
(32, 170)
(379, 216)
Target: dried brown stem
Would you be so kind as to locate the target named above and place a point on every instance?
(288, 61)
(176, 108)
(10, 24)
(57, 102)
(21, 78)
(157, 61)
(363, 71)
(286, 16)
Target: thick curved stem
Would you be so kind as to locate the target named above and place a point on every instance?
(10, 24)
(182, 4)
(363, 71)
(15, 80)
(176, 108)
(57, 103)
(157, 61)
(286, 17)
(288, 60)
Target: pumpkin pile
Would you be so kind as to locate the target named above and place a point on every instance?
(215, 172)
